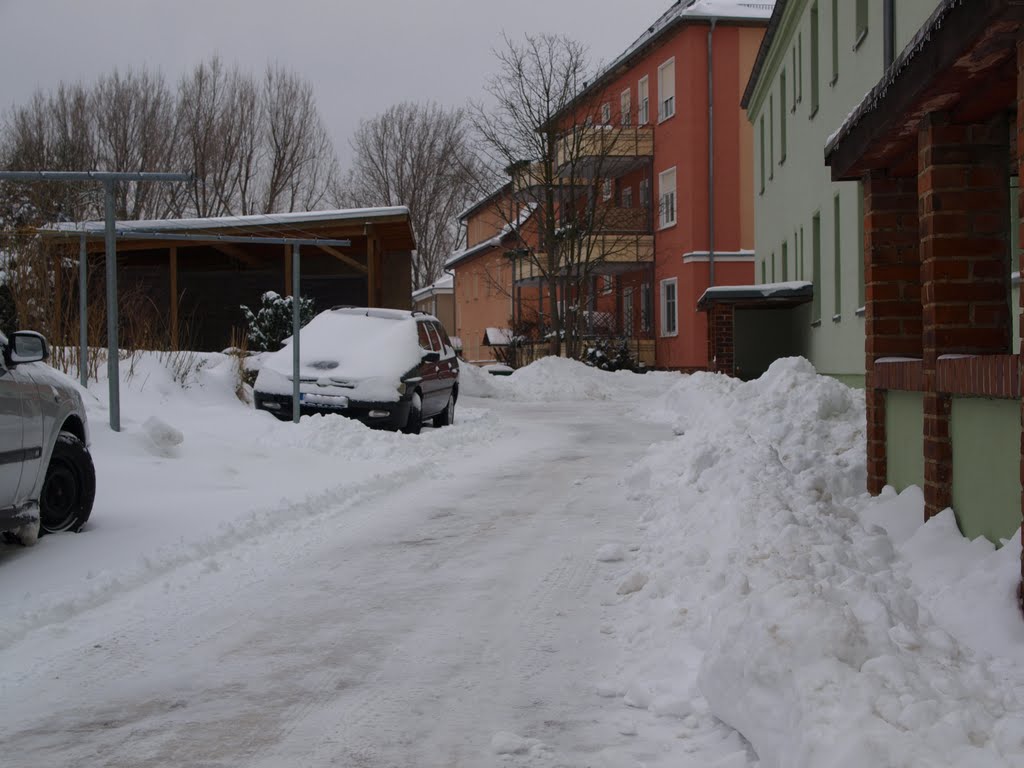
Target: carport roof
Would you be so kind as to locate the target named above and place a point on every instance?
(765, 296)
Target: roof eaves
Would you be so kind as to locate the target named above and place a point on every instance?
(762, 53)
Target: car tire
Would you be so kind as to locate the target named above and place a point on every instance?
(447, 416)
(68, 488)
(414, 422)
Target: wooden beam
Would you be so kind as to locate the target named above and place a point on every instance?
(372, 266)
(175, 338)
(287, 271)
(344, 257)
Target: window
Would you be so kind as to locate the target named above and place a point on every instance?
(643, 103)
(837, 260)
(667, 90)
(435, 338)
(667, 198)
(771, 136)
(606, 189)
(607, 284)
(645, 307)
(835, 42)
(815, 93)
(606, 114)
(860, 244)
(669, 308)
(424, 336)
(627, 312)
(785, 261)
(645, 194)
(625, 107)
(862, 23)
(782, 118)
(626, 197)
(762, 154)
(802, 252)
(792, 107)
(816, 267)
(773, 266)
(764, 271)
(799, 84)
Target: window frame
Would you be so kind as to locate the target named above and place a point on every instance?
(643, 99)
(815, 60)
(666, 103)
(673, 283)
(663, 221)
(861, 23)
(606, 113)
(626, 108)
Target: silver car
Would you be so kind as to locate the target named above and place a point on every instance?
(47, 479)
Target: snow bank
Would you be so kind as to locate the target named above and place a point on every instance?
(558, 379)
(760, 598)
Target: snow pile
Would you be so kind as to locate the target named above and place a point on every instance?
(557, 379)
(758, 596)
(476, 382)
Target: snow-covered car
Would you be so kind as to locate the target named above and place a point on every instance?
(47, 479)
(388, 368)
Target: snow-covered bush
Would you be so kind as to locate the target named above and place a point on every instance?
(272, 323)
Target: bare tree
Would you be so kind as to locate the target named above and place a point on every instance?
(553, 135)
(421, 156)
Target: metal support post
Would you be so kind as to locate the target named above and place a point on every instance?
(83, 310)
(113, 380)
(296, 327)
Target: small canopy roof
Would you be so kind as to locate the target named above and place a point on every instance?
(764, 296)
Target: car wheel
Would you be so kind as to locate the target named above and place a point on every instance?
(69, 487)
(447, 416)
(415, 420)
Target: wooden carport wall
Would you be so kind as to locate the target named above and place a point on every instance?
(372, 269)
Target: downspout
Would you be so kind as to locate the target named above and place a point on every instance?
(711, 154)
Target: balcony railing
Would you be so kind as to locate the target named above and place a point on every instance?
(605, 141)
(604, 248)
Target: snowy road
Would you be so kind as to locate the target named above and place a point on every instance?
(454, 619)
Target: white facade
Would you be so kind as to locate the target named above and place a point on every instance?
(802, 219)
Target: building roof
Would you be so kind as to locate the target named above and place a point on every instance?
(789, 294)
(444, 284)
(508, 229)
(681, 12)
(763, 51)
(263, 221)
(463, 215)
(965, 54)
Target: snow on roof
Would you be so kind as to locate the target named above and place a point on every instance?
(489, 196)
(444, 284)
(231, 222)
(681, 11)
(791, 289)
(497, 337)
(466, 253)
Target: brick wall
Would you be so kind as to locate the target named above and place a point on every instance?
(721, 346)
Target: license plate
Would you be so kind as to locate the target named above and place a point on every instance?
(323, 401)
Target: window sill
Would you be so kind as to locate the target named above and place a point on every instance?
(837, 318)
(834, 80)
(860, 38)
(670, 335)
(666, 226)
(666, 118)
(860, 311)
(816, 323)
(814, 111)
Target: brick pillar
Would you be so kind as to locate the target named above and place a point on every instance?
(963, 186)
(721, 341)
(892, 312)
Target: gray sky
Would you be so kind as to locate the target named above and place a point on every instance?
(361, 55)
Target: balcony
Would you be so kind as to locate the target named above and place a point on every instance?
(607, 252)
(604, 150)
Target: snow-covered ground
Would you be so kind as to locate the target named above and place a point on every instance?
(588, 569)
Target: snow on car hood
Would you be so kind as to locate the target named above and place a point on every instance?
(367, 354)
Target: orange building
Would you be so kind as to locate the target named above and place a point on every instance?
(487, 303)
(678, 148)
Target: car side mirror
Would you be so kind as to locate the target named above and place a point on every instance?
(26, 347)
(431, 357)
